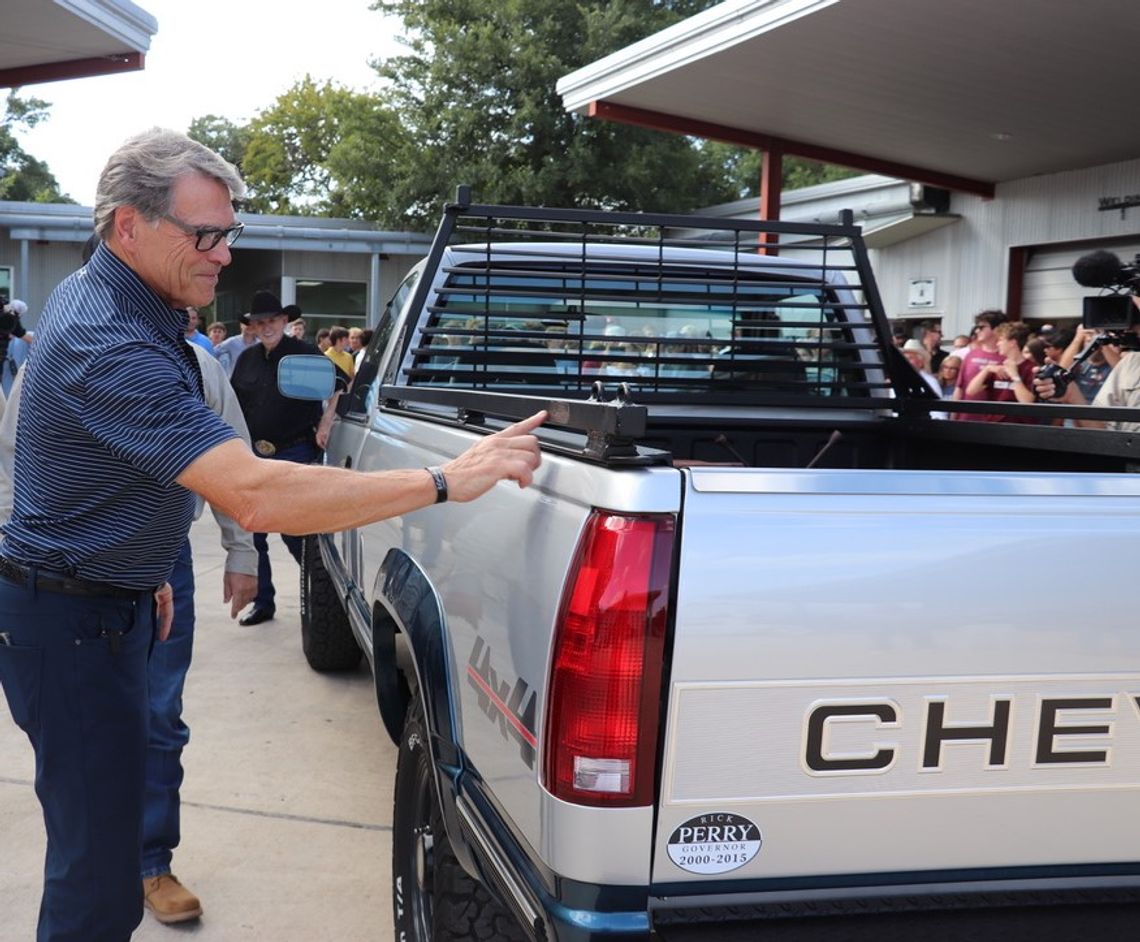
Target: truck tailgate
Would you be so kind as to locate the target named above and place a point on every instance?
(901, 672)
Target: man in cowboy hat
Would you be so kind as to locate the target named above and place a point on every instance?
(281, 429)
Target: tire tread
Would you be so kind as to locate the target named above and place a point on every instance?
(326, 636)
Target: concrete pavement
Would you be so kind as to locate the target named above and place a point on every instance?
(287, 802)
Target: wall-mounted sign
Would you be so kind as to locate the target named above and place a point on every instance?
(920, 293)
(1118, 202)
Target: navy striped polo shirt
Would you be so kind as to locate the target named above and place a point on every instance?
(112, 412)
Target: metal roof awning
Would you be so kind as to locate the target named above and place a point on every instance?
(887, 209)
(906, 226)
(960, 95)
(52, 40)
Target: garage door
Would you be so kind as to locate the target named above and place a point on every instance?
(1049, 291)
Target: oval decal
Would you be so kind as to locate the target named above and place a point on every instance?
(714, 843)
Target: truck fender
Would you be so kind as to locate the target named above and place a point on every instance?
(410, 603)
(392, 691)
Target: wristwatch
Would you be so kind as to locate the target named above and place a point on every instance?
(440, 484)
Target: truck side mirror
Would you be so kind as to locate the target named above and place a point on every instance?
(306, 376)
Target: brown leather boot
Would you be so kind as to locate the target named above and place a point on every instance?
(169, 900)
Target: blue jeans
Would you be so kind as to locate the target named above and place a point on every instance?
(303, 453)
(73, 670)
(168, 734)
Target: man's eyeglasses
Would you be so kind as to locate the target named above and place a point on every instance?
(207, 237)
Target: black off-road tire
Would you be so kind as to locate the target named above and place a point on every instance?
(326, 636)
(433, 898)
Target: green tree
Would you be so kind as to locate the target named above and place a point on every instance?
(474, 101)
(741, 166)
(320, 149)
(22, 176)
(476, 93)
(222, 136)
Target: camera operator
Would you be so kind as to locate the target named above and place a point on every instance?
(1120, 389)
(1091, 373)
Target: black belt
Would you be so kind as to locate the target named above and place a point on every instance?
(16, 573)
(268, 449)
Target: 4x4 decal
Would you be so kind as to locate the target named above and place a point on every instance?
(513, 708)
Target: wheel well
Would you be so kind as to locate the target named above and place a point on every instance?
(390, 678)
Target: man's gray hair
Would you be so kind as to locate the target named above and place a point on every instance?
(143, 171)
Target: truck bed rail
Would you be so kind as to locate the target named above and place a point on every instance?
(611, 428)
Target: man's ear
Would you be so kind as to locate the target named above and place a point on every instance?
(125, 226)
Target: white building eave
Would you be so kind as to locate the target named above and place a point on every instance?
(910, 225)
(704, 34)
(124, 21)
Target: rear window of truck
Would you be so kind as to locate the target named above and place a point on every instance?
(562, 325)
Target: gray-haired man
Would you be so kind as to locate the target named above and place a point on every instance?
(93, 537)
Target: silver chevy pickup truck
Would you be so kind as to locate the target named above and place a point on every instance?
(771, 648)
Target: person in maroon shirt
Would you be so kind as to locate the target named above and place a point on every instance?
(1011, 380)
(982, 353)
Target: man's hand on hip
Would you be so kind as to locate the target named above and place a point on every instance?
(164, 611)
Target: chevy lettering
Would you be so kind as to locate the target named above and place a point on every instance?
(1056, 719)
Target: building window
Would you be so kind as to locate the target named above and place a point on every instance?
(332, 303)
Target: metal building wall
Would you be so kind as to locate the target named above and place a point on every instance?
(47, 265)
(970, 259)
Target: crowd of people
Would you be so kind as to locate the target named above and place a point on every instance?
(343, 345)
(1002, 360)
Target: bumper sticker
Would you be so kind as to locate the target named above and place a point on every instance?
(714, 843)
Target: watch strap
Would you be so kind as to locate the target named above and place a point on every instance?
(440, 484)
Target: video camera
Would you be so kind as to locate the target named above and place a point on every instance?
(10, 325)
(9, 321)
(1113, 316)
(1114, 312)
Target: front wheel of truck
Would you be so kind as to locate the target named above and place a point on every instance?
(326, 636)
(433, 898)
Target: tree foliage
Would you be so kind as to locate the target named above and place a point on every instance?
(741, 167)
(22, 176)
(319, 149)
(222, 136)
(473, 101)
(476, 93)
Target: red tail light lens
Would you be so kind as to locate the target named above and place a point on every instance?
(605, 686)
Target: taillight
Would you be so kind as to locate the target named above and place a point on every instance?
(605, 684)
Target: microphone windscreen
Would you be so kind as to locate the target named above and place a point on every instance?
(1097, 270)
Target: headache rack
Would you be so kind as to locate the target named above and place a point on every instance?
(597, 316)
(548, 302)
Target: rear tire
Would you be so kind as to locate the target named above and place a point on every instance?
(326, 635)
(433, 898)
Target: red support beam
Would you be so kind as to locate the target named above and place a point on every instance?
(674, 124)
(771, 190)
(71, 69)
